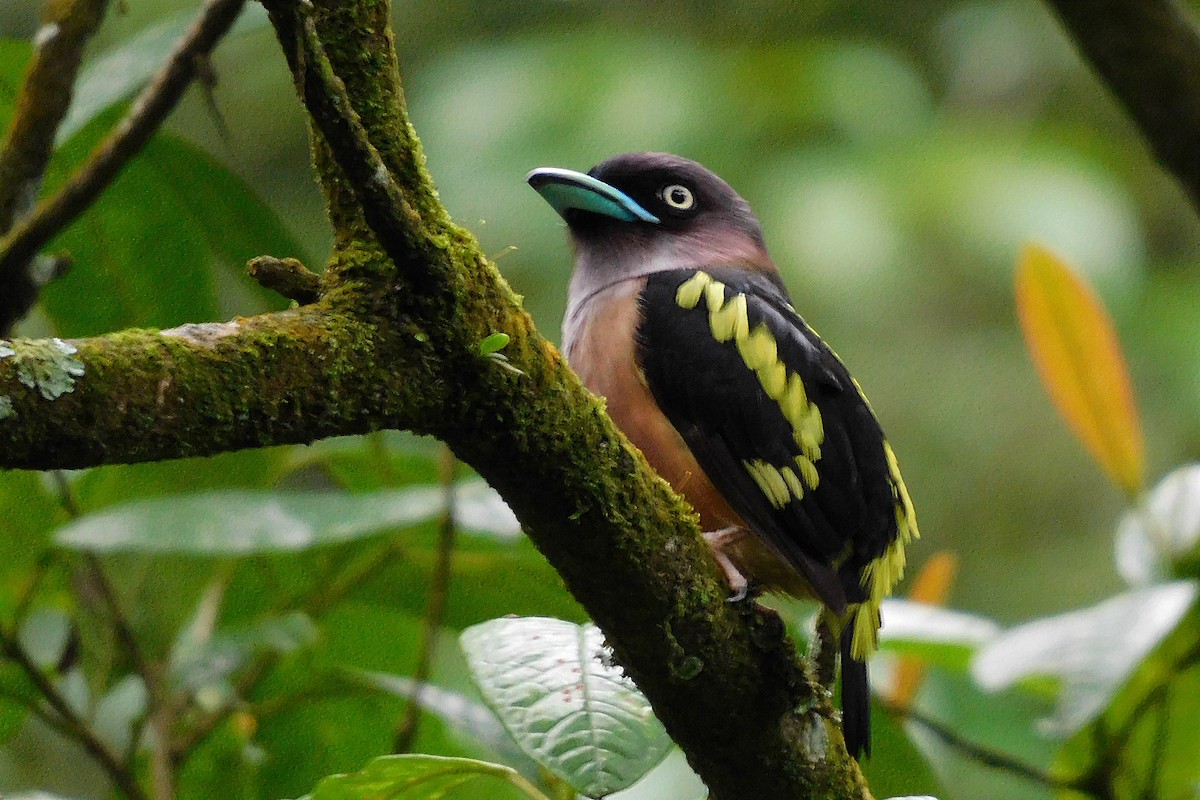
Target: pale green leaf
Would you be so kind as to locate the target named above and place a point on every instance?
(117, 74)
(118, 710)
(203, 667)
(493, 344)
(416, 777)
(241, 523)
(1148, 735)
(1092, 651)
(571, 710)
(939, 635)
(454, 708)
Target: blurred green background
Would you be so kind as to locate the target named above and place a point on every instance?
(898, 155)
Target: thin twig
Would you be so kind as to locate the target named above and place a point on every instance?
(148, 112)
(41, 106)
(72, 724)
(347, 580)
(979, 753)
(435, 611)
(98, 579)
(32, 584)
(42, 102)
(158, 712)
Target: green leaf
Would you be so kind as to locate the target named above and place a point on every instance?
(1160, 539)
(458, 711)
(416, 777)
(203, 667)
(128, 273)
(939, 635)
(1092, 650)
(493, 344)
(116, 484)
(118, 710)
(673, 778)
(580, 717)
(30, 513)
(241, 523)
(1145, 742)
(899, 766)
(226, 764)
(45, 635)
(117, 74)
(14, 55)
(17, 694)
(120, 72)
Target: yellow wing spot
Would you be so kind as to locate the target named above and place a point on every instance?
(758, 349)
(688, 294)
(778, 494)
(865, 639)
(808, 471)
(793, 483)
(808, 444)
(714, 296)
(729, 321)
(881, 575)
(904, 505)
(774, 380)
(794, 402)
(771, 481)
(756, 472)
(811, 427)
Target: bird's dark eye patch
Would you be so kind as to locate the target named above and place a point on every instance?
(678, 197)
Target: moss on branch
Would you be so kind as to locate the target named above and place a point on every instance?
(405, 302)
(143, 395)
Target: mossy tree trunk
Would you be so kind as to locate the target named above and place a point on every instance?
(392, 341)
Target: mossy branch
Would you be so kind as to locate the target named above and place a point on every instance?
(41, 106)
(394, 342)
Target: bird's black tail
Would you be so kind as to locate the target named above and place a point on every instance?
(856, 700)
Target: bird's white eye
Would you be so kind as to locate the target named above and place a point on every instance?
(678, 196)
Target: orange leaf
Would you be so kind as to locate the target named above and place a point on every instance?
(931, 586)
(1074, 345)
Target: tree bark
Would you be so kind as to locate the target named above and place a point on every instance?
(1147, 52)
(393, 341)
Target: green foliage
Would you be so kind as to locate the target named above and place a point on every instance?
(282, 597)
(414, 777)
(245, 523)
(566, 705)
(215, 227)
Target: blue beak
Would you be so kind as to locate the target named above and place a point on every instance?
(565, 189)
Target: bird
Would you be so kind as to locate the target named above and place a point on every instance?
(678, 317)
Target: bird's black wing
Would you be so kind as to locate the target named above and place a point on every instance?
(775, 421)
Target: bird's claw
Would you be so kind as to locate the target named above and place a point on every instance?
(740, 593)
(737, 581)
